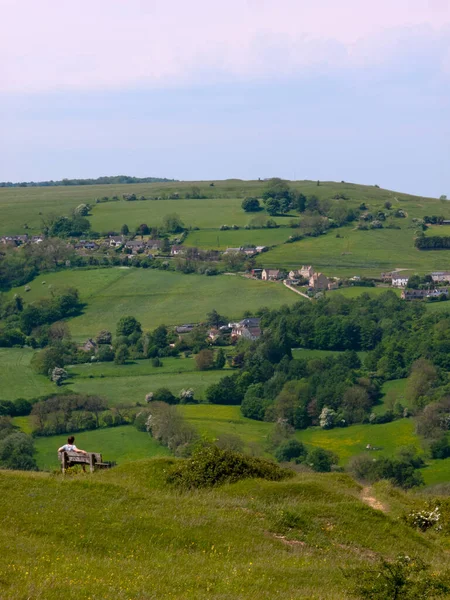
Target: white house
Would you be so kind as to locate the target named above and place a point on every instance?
(439, 276)
(399, 281)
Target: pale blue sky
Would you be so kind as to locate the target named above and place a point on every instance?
(308, 95)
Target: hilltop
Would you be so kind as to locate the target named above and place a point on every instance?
(126, 534)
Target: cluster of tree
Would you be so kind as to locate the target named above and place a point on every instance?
(432, 242)
(23, 323)
(315, 458)
(402, 470)
(165, 423)
(434, 219)
(76, 412)
(75, 225)
(16, 448)
(115, 179)
(419, 282)
(20, 265)
(338, 390)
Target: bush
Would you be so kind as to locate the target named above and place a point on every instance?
(210, 466)
(289, 450)
(164, 395)
(321, 460)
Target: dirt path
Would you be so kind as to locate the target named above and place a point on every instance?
(367, 498)
(296, 291)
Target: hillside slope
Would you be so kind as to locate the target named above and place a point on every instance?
(124, 534)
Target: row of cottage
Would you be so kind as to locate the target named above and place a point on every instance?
(316, 281)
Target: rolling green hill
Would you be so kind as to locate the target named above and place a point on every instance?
(156, 297)
(125, 534)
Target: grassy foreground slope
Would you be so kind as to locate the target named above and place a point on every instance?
(155, 297)
(124, 534)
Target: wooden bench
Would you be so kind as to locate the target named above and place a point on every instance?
(93, 459)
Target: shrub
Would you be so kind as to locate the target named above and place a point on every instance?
(210, 466)
(321, 460)
(164, 395)
(289, 450)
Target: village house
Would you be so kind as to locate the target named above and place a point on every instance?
(184, 328)
(37, 239)
(257, 273)
(154, 244)
(399, 281)
(116, 241)
(247, 328)
(213, 334)
(177, 250)
(271, 274)
(89, 346)
(14, 240)
(135, 246)
(333, 285)
(306, 271)
(410, 294)
(440, 276)
(318, 281)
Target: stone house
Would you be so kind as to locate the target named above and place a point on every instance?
(318, 281)
(247, 328)
(440, 276)
(116, 241)
(177, 250)
(271, 274)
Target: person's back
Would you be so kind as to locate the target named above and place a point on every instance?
(70, 446)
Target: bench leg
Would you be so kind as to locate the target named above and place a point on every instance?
(91, 463)
(64, 463)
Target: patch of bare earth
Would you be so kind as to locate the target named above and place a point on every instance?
(370, 500)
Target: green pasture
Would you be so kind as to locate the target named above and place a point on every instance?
(28, 206)
(392, 392)
(209, 239)
(350, 441)
(126, 534)
(206, 213)
(121, 444)
(157, 297)
(128, 390)
(134, 368)
(17, 378)
(363, 253)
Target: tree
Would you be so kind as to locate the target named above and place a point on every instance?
(82, 210)
(96, 405)
(225, 391)
(388, 205)
(124, 230)
(121, 355)
(128, 325)
(273, 206)
(289, 450)
(422, 377)
(187, 396)
(251, 204)
(321, 460)
(17, 452)
(220, 360)
(215, 320)
(204, 360)
(164, 395)
(143, 229)
(59, 375)
(165, 248)
(46, 360)
(443, 197)
(172, 223)
(327, 418)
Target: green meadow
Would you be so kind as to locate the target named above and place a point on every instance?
(120, 444)
(132, 536)
(354, 252)
(17, 378)
(211, 239)
(156, 297)
(127, 390)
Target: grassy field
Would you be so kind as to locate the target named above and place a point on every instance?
(156, 297)
(133, 388)
(120, 444)
(125, 534)
(134, 368)
(212, 239)
(364, 253)
(20, 206)
(17, 378)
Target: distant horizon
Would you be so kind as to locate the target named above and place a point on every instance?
(7, 184)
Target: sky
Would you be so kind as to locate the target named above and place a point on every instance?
(351, 90)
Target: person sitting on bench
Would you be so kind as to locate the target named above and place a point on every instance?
(70, 447)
